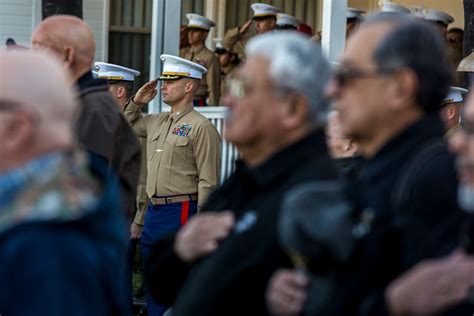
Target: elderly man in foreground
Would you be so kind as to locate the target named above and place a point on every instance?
(58, 257)
(219, 263)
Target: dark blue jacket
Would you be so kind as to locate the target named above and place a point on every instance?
(66, 267)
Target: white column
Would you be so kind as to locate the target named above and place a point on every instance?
(221, 18)
(165, 26)
(210, 12)
(105, 31)
(334, 28)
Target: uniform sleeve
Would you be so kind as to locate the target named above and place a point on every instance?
(213, 78)
(234, 40)
(207, 151)
(133, 113)
(142, 204)
(231, 38)
(142, 196)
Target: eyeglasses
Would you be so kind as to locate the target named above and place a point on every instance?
(7, 105)
(343, 76)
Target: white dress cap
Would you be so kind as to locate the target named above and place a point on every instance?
(263, 9)
(438, 16)
(352, 13)
(466, 64)
(391, 7)
(418, 11)
(218, 43)
(176, 67)
(197, 21)
(286, 19)
(455, 95)
(114, 72)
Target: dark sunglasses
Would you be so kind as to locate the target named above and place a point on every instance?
(343, 76)
(8, 105)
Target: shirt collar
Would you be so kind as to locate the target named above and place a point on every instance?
(176, 116)
(197, 50)
(400, 147)
(13, 181)
(87, 81)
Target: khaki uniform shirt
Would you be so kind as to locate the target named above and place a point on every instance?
(452, 133)
(235, 42)
(142, 197)
(227, 73)
(210, 83)
(183, 151)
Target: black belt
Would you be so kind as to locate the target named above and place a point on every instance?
(173, 199)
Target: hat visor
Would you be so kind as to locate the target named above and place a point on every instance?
(260, 17)
(220, 51)
(170, 77)
(195, 27)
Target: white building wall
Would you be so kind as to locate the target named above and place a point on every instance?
(18, 19)
(96, 14)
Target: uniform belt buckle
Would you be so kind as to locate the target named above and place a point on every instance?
(168, 200)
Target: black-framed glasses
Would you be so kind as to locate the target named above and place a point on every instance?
(343, 75)
(8, 105)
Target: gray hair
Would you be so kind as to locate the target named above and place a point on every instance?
(297, 65)
(416, 45)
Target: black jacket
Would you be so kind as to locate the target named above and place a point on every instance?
(102, 130)
(232, 280)
(423, 222)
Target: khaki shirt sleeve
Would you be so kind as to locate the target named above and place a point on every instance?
(207, 151)
(142, 196)
(213, 78)
(235, 42)
(231, 38)
(133, 113)
(142, 204)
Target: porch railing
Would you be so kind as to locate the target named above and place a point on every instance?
(229, 153)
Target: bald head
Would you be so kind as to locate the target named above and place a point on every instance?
(70, 39)
(37, 106)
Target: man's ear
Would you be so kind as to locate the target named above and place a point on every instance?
(403, 90)
(296, 111)
(68, 56)
(188, 87)
(352, 147)
(120, 92)
(451, 112)
(273, 23)
(18, 131)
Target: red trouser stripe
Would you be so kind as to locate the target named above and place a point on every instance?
(184, 212)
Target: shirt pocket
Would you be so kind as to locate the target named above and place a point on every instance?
(152, 145)
(180, 151)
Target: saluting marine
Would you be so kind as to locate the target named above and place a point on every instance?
(183, 152)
